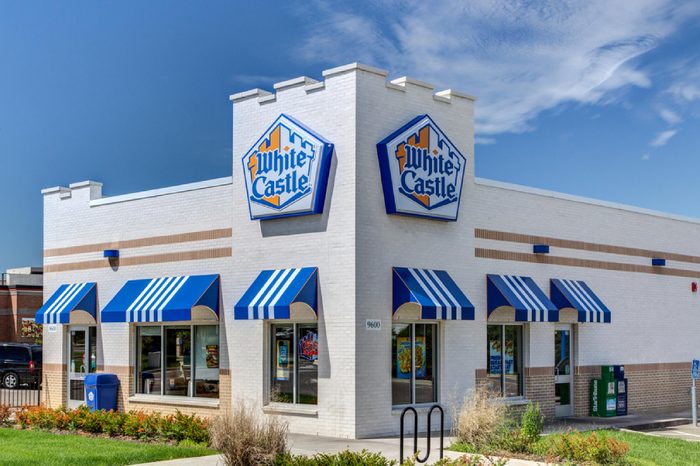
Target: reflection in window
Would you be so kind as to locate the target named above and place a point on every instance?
(294, 363)
(171, 347)
(503, 364)
(177, 361)
(414, 363)
(149, 360)
(206, 363)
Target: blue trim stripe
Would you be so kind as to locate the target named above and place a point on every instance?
(576, 294)
(273, 292)
(434, 290)
(164, 299)
(66, 299)
(523, 295)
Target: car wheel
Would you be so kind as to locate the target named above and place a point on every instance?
(10, 380)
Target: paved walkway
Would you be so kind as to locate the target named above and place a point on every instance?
(675, 424)
(639, 422)
(311, 444)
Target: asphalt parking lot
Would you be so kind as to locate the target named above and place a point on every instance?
(685, 432)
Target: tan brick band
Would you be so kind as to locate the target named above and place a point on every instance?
(142, 242)
(582, 245)
(539, 371)
(142, 260)
(586, 263)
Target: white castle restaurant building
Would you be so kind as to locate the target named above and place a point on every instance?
(353, 265)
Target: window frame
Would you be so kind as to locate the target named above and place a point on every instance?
(163, 363)
(295, 367)
(436, 364)
(520, 358)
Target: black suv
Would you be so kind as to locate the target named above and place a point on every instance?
(20, 364)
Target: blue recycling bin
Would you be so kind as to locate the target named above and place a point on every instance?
(101, 391)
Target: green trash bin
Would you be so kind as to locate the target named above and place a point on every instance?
(603, 397)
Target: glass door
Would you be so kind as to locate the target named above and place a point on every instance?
(82, 359)
(563, 370)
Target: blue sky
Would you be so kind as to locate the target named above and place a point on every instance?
(594, 98)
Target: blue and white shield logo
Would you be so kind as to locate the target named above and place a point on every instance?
(422, 171)
(286, 171)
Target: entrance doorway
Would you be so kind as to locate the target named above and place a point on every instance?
(82, 359)
(563, 371)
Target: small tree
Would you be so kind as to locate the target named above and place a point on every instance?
(31, 329)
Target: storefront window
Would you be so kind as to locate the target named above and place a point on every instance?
(294, 363)
(414, 363)
(177, 361)
(504, 359)
(149, 374)
(206, 361)
(172, 347)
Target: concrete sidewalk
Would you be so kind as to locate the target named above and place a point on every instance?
(300, 444)
(311, 444)
(639, 422)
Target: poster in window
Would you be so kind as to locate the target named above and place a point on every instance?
(494, 357)
(403, 357)
(420, 357)
(308, 346)
(509, 359)
(282, 372)
(212, 356)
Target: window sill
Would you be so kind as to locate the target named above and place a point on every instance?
(512, 401)
(292, 409)
(175, 400)
(396, 410)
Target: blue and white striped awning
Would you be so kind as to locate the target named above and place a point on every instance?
(66, 299)
(434, 291)
(575, 294)
(165, 299)
(522, 296)
(275, 294)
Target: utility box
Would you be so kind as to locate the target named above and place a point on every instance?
(603, 398)
(619, 372)
(621, 397)
(101, 391)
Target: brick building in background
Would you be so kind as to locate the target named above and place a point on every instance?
(20, 297)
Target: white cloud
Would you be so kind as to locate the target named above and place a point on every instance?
(685, 91)
(484, 140)
(519, 60)
(646, 156)
(662, 138)
(669, 116)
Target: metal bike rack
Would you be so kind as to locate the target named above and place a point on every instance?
(415, 433)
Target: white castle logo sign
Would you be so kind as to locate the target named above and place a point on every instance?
(422, 171)
(286, 171)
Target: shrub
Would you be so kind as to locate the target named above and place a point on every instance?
(479, 418)
(140, 425)
(135, 424)
(246, 438)
(180, 426)
(344, 458)
(592, 447)
(5, 413)
(471, 460)
(531, 423)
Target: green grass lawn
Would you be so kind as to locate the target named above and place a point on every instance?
(22, 447)
(645, 450)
